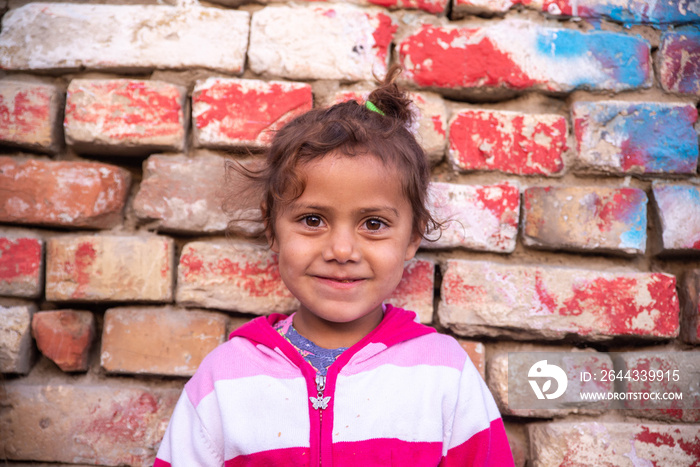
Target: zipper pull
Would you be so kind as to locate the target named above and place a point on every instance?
(320, 402)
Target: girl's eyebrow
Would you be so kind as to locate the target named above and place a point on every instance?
(367, 210)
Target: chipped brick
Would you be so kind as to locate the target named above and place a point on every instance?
(586, 219)
(678, 59)
(128, 38)
(355, 42)
(416, 289)
(523, 302)
(16, 345)
(508, 142)
(125, 117)
(678, 208)
(159, 341)
(75, 194)
(690, 312)
(109, 268)
(478, 217)
(622, 137)
(21, 265)
(65, 337)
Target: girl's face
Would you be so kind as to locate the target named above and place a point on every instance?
(342, 246)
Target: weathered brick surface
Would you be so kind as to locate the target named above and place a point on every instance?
(86, 268)
(626, 11)
(678, 208)
(477, 354)
(416, 289)
(498, 372)
(159, 341)
(586, 218)
(509, 142)
(431, 6)
(76, 194)
(636, 137)
(560, 60)
(478, 217)
(662, 373)
(678, 58)
(182, 194)
(21, 265)
(550, 302)
(232, 276)
(430, 127)
(125, 117)
(690, 312)
(608, 443)
(29, 115)
(16, 346)
(355, 42)
(123, 37)
(229, 112)
(79, 422)
(65, 337)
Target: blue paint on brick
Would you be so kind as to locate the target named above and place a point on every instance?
(643, 12)
(624, 59)
(636, 236)
(652, 138)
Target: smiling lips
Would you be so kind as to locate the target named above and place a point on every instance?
(337, 281)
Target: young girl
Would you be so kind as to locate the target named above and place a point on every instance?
(346, 380)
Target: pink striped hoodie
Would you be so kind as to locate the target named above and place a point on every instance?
(404, 395)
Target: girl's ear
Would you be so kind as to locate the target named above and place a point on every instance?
(413, 246)
(269, 233)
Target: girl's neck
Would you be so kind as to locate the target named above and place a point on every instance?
(332, 335)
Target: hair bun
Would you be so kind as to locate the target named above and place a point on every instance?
(391, 100)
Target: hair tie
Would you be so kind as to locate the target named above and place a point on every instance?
(373, 107)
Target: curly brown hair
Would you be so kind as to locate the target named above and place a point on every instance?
(349, 129)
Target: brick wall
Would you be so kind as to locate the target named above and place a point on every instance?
(563, 137)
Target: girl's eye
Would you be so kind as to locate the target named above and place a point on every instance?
(312, 221)
(374, 224)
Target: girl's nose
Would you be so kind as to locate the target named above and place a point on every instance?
(341, 247)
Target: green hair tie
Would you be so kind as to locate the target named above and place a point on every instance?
(373, 107)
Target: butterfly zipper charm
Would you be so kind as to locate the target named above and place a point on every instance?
(320, 402)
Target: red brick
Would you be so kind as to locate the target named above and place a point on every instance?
(232, 276)
(21, 265)
(109, 268)
(78, 422)
(690, 313)
(610, 443)
(29, 114)
(75, 194)
(430, 127)
(523, 302)
(416, 289)
(487, 61)
(159, 341)
(509, 142)
(430, 6)
(125, 117)
(476, 217)
(229, 112)
(678, 58)
(65, 337)
(477, 354)
(280, 43)
(517, 439)
(586, 219)
(678, 209)
(126, 38)
(182, 194)
(16, 346)
(679, 374)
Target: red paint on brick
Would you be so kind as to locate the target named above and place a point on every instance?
(425, 5)
(383, 35)
(126, 422)
(191, 264)
(474, 65)
(28, 108)
(458, 292)
(481, 143)
(545, 298)
(140, 109)
(85, 255)
(437, 125)
(608, 211)
(244, 114)
(416, 279)
(257, 280)
(655, 438)
(506, 202)
(680, 70)
(165, 269)
(20, 257)
(616, 304)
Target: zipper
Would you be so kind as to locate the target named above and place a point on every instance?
(319, 403)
